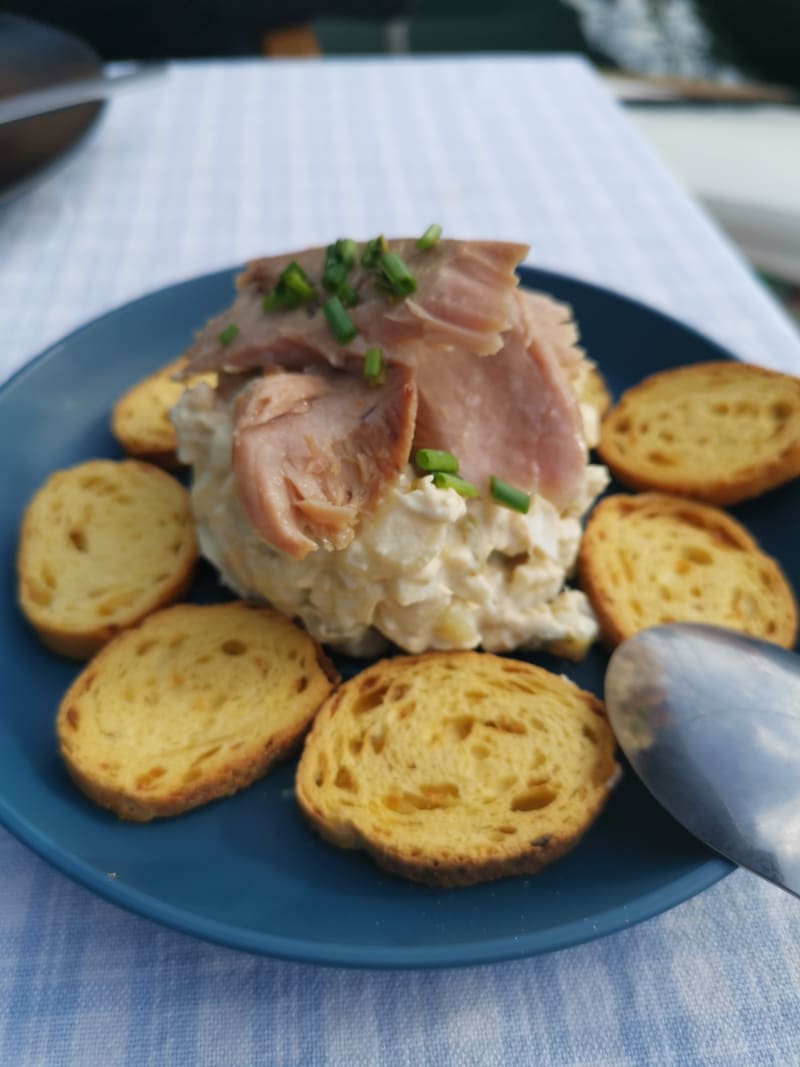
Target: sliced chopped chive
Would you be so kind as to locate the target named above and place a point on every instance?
(396, 275)
(339, 258)
(293, 269)
(291, 290)
(342, 326)
(373, 250)
(443, 480)
(347, 251)
(347, 294)
(298, 285)
(509, 496)
(431, 459)
(287, 300)
(272, 302)
(373, 364)
(334, 275)
(229, 333)
(430, 237)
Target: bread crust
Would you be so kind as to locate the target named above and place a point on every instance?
(720, 432)
(140, 417)
(695, 564)
(84, 643)
(130, 791)
(519, 847)
(74, 626)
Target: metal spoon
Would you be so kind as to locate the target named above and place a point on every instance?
(710, 721)
(67, 94)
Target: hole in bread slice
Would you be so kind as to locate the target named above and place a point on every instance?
(78, 539)
(534, 799)
(462, 727)
(369, 700)
(234, 648)
(344, 780)
(429, 798)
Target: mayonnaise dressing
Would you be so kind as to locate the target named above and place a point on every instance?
(426, 570)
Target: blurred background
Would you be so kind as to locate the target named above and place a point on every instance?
(713, 85)
(708, 38)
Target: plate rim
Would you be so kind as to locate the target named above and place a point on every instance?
(466, 953)
(372, 957)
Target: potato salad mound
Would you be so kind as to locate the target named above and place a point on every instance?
(427, 569)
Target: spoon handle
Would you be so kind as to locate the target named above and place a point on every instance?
(56, 97)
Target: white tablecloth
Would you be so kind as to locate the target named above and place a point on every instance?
(228, 160)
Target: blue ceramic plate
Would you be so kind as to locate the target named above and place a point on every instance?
(246, 871)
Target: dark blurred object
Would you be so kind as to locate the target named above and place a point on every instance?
(33, 56)
(124, 29)
(759, 38)
(442, 26)
(182, 29)
(504, 25)
(762, 38)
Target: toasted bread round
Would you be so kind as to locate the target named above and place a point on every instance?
(195, 703)
(102, 545)
(140, 418)
(652, 558)
(719, 432)
(452, 768)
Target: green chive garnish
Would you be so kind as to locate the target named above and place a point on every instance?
(395, 275)
(443, 480)
(296, 283)
(342, 326)
(373, 250)
(272, 302)
(228, 334)
(291, 290)
(347, 252)
(431, 459)
(334, 275)
(430, 237)
(347, 295)
(339, 259)
(373, 364)
(509, 496)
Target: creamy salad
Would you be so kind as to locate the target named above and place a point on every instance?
(427, 569)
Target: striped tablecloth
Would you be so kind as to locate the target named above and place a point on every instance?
(228, 160)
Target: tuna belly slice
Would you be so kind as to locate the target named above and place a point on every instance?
(464, 296)
(314, 451)
(513, 415)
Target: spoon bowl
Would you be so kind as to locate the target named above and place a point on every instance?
(709, 719)
(34, 56)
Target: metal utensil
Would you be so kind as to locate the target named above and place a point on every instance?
(56, 97)
(710, 721)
